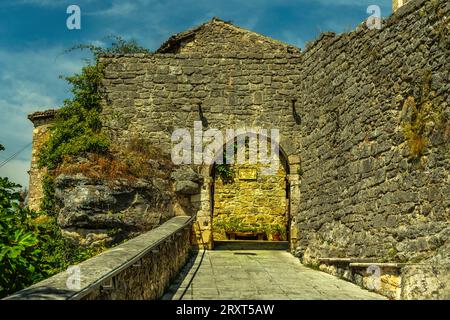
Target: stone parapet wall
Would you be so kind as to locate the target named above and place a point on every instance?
(139, 269)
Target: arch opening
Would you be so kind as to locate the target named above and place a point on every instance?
(247, 204)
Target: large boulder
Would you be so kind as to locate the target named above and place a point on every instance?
(107, 211)
(186, 181)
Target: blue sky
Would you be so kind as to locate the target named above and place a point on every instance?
(33, 37)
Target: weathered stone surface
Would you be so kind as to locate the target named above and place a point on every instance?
(98, 211)
(221, 36)
(187, 181)
(426, 282)
(187, 187)
(42, 122)
(261, 275)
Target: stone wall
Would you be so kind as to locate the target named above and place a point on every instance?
(150, 96)
(139, 269)
(220, 36)
(363, 191)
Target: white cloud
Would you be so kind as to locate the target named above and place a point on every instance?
(117, 8)
(48, 3)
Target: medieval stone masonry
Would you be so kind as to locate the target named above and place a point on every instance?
(356, 188)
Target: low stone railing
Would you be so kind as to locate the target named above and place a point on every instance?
(139, 269)
(397, 281)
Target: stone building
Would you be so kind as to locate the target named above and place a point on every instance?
(396, 4)
(347, 109)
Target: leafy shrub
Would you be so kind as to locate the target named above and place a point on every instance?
(32, 247)
(77, 128)
(19, 251)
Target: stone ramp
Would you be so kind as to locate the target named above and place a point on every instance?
(259, 275)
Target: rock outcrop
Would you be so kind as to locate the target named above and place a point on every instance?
(187, 181)
(94, 211)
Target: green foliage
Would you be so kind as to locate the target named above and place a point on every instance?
(225, 172)
(48, 202)
(19, 251)
(118, 46)
(314, 266)
(32, 247)
(77, 129)
(58, 252)
(230, 224)
(414, 130)
(276, 230)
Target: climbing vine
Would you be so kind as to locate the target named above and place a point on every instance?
(78, 128)
(224, 170)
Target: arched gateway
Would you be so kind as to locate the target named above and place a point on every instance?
(248, 199)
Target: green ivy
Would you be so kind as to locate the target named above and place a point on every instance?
(78, 127)
(48, 202)
(224, 170)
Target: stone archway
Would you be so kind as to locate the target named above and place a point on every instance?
(290, 190)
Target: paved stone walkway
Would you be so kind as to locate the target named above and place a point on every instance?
(259, 275)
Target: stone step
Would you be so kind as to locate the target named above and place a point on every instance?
(250, 245)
